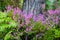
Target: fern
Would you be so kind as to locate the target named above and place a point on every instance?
(6, 25)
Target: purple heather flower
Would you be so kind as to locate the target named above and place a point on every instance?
(57, 11)
(8, 8)
(27, 29)
(41, 17)
(43, 22)
(53, 19)
(57, 20)
(19, 11)
(26, 19)
(28, 16)
(14, 11)
(30, 28)
(34, 18)
(51, 11)
(25, 15)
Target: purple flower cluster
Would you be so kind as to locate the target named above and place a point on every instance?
(55, 14)
(53, 17)
(53, 11)
(8, 8)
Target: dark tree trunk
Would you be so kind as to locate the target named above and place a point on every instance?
(33, 6)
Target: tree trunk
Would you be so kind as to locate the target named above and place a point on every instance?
(33, 6)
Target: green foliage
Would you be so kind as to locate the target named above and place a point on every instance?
(6, 25)
(38, 26)
(20, 3)
(50, 4)
(14, 3)
(57, 33)
(49, 35)
(7, 36)
(58, 2)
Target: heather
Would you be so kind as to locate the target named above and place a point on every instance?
(16, 24)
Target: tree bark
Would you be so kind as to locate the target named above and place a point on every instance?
(33, 6)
